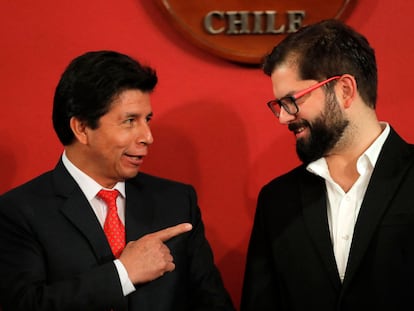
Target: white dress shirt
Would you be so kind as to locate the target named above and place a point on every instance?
(90, 188)
(343, 208)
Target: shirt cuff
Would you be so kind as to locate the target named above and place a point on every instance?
(126, 284)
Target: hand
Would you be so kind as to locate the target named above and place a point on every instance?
(148, 258)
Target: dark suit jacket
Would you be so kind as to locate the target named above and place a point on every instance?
(54, 254)
(290, 261)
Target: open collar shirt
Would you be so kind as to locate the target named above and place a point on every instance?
(343, 207)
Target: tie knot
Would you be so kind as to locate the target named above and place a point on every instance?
(109, 196)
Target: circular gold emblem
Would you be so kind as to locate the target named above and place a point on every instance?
(245, 30)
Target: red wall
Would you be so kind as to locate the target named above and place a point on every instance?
(211, 126)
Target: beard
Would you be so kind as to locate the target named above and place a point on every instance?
(324, 133)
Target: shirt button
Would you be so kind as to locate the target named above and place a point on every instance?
(345, 237)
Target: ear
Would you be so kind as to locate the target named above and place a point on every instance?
(79, 129)
(347, 90)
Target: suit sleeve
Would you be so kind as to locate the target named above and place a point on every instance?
(25, 282)
(260, 290)
(208, 289)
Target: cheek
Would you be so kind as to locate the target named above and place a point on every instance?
(105, 148)
(117, 140)
(123, 143)
(314, 110)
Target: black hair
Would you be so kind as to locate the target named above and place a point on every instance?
(325, 49)
(89, 85)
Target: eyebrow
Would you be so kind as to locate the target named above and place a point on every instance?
(135, 115)
(289, 94)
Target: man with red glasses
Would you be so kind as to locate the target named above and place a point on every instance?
(336, 233)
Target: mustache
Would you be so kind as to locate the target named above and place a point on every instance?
(297, 125)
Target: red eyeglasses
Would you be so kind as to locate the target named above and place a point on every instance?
(288, 103)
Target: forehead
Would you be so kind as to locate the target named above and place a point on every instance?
(285, 79)
(132, 99)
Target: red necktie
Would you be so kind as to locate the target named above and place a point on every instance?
(113, 227)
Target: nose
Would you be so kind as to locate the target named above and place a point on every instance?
(284, 117)
(145, 136)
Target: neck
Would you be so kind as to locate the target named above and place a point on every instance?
(342, 161)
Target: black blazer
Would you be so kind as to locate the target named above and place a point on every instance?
(290, 261)
(54, 254)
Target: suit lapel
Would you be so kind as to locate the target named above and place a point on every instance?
(315, 216)
(392, 164)
(138, 212)
(80, 213)
(78, 210)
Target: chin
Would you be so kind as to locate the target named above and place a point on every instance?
(128, 174)
(132, 174)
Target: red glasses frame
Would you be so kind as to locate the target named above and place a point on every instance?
(288, 103)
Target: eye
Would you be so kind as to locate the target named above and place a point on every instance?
(129, 121)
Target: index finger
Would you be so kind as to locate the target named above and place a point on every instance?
(170, 232)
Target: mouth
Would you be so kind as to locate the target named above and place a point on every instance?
(135, 159)
(135, 156)
(298, 128)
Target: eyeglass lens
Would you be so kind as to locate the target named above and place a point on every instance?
(287, 103)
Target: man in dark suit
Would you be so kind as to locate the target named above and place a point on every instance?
(336, 233)
(54, 254)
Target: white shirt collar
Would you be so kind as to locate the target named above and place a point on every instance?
(319, 167)
(374, 150)
(88, 185)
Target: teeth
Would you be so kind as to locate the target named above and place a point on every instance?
(299, 130)
(136, 157)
